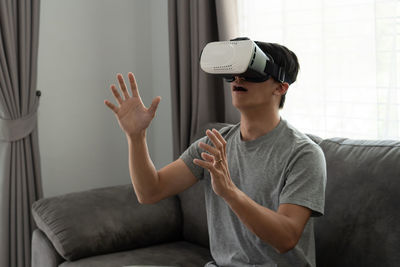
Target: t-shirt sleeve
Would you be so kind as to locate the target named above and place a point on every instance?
(306, 180)
(191, 153)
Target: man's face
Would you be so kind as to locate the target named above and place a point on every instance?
(250, 95)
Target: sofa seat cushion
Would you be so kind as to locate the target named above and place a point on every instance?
(180, 253)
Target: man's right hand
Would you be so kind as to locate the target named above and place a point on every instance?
(133, 117)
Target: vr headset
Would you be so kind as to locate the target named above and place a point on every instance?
(240, 57)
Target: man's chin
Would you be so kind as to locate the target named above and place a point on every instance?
(240, 105)
(244, 106)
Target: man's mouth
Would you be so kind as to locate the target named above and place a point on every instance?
(239, 88)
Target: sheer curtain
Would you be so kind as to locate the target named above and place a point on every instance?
(349, 54)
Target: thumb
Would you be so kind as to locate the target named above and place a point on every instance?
(154, 105)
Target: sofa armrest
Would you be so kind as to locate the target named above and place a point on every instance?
(43, 251)
(105, 220)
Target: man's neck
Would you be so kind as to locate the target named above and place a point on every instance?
(256, 123)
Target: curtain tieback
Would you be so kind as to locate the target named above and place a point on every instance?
(13, 130)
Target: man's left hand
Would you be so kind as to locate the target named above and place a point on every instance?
(216, 163)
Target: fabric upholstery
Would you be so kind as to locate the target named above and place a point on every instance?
(195, 227)
(105, 220)
(182, 254)
(43, 251)
(359, 228)
(315, 138)
(361, 224)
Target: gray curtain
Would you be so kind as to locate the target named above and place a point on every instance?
(20, 177)
(197, 98)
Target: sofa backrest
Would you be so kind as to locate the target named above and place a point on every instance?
(361, 222)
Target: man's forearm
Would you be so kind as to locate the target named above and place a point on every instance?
(144, 176)
(270, 226)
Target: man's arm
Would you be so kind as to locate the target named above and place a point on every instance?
(134, 118)
(150, 185)
(281, 229)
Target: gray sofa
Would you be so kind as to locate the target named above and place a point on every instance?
(108, 227)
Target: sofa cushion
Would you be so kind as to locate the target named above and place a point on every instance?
(316, 139)
(182, 254)
(105, 220)
(194, 215)
(361, 224)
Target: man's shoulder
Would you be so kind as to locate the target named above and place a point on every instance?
(298, 140)
(228, 130)
(225, 129)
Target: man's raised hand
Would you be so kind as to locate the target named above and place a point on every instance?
(133, 117)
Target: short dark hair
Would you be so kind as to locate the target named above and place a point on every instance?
(284, 58)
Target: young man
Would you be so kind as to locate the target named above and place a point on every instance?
(263, 178)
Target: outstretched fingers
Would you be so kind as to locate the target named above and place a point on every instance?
(218, 143)
(210, 149)
(154, 105)
(207, 157)
(205, 164)
(134, 91)
(111, 106)
(134, 88)
(122, 85)
(221, 140)
(116, 94)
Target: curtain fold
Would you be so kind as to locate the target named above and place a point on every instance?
(20, 173)
(197, 98)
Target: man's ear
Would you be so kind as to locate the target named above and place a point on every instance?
(281, 89)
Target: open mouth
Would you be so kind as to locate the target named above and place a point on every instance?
(239, 89)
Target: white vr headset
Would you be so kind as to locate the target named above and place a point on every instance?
(240, 57)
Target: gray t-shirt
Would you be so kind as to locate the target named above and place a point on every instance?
(283, 166)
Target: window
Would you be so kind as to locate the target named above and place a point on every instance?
(349, 54)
